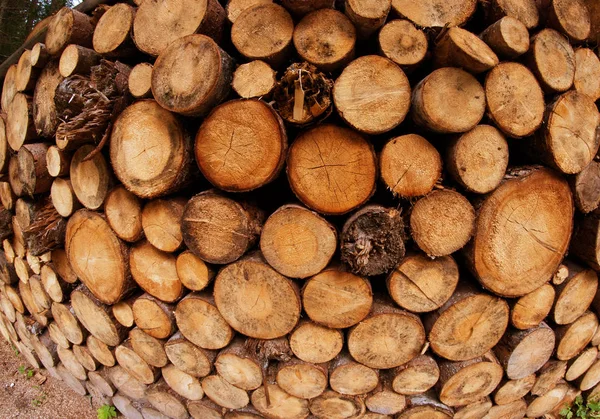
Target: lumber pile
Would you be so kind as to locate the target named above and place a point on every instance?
(430, 250)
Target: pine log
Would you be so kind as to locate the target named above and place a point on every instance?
(68, 26)
(7, 308)
(510, 391)
(150, 163)
(337, 299)
(100, 351)
(468, 325)
(415, 377)
(349, 377)
(552, 59)
(70, 362)
(435, 13)
(91, 179)
(426, 406)
(140, 81)
(28, 172)
(5, 232)
(331, 169)
(237, 365)
(442, 222)
(39, 56)
(85, 358)
(332, 404)
(155, 272)
(7, 196)
(311, 342)
(575, 295)
(126, 383)
(154, 317)
(524, 352)
(4, 147)
(460, 48)
(257, 151)
(19, 123)
(26, 74)
(135, 365)
(190, 358)
(524, 10)
(9, 251)
(39, 314)
(571, 18)
(478, 409)
(7, 271)
(206, 409)
(403, 43)
(161, 222)
(436, 98)
(193, 272)
(200, 58)
(18, 242)
(102, 382)
(182, 383)
(573, 338)
(45, 116)
(126, 407)
(76, 59)
(158, 24)
(218, 229)
(22, 270)
(548, 377)
(148, 348)
(543, 404)
(200, 322)
(302, 379)
(166, 401)
(585, 188)
(263, 32)
(9, 88)
(39, 294)
(71, 381)
(224, 394)
(529, 310)
(123, 210)
(112, 33)
(372, 94)
(45, 349)
(235, 7)
(539, 195)
(96, 317)
(513, 410)
(108, 278)
(383, 400)
(591, 377)
(97, 399)
(62, 266)
(507, 37)
(123, 310)
(63, 197)
(578, 366)
(300, 8)
(239, 285)
(255, 79)
(281, 406)
(57, 336)
(367, 16)
(587, 71)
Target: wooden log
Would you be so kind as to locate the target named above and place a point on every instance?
(193, 272)
(459, 336)
(18, 242)
(239, 284)
(135, 365)
(372, 94)
(403, 43)
(148, 348)
(69, 325)
(474, 410)
(71, 381)
(426, 406)
(190, 358)
(570, 18)
(524, 352)
(442, 222)
(326, 39)
(45, 117)
(460, 48)
(483, 373)
(255, 79)
(112, 33)
(416, 376)
(158, 24)
(28, 172)
(202, 226)
(435, 13)
(101, 352)
(76, 59)
(68, 26)
(433, 96)
(182, 383)
(200, 322)
(302, 379)
(591, 377)
(7, 308)
(575, 295)
(123, 310)
(383, 400)
(507, 37)
(235, 7)
(39, 56)
(96, 317)
(211, 69)
(19, 123)
(6, 231)
(108, 278)
(166, 401)
(22, 270)
(96, 396)
(333, 404)
(300, 8)
(45, 349)
(57, 336)
(161, 222)
(263, 32)
(140, 81)
(541, 405)
(153, 316)
(9, 251)
(539, 250)
(549, 377)
(516, 409)
(525, 11)
(402, 332)
(123, 210)
(26, 74)
(91, 179)
(311, 342)
(63, 197)
(529, 310)
(62, 266)
(167, 167)
(127, 384)
(281, 405)
(126, 407)
(510, 391)
(9, 88)
(552, 60)
(102, 382)
(367, 17)
(237, 365)
(85, 358)
(331, 179)
(257, 152)
(224, 394)
(573, 338)
(587, 69)
(337, 299)
(155, 272)
(4, 147)
(349, 377)
(7, 196)
(70, 362)
(7, 271)
(42, 301)
(206, 409)
(585, 191)
(578, 366)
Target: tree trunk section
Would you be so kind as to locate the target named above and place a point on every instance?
(154, 317)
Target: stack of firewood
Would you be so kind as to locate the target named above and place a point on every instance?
(429, 251)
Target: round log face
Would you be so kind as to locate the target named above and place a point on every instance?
(372, 94)
(18, 120)
(532, 308)
(155, 272)
(94, 319)
(256, 300)
(576, 336)
(151, 318)
(159, 23)
(528, 220)
(100, 263)
(140, 80)
(436, 13)
(402, 42)
(113, 28)
(188, 357)
(239, 371)
(471, 383)
(304, 381)
(575, 298)
(44, 109)
(317, 344)
(553, 60)
(202, 324)
(89, 179)
(524, 10)
(571, 18)
(282, 406)
(331, 169)
(123, 211)
(587, 73)
(254, 148)
(148, 149)
(59, 30)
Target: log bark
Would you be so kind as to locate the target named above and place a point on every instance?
(507, 37)
(28, 172)
(311, 342)
(460, 48)
(154, 317)
(158, 24)
(337, 299)
(190, 358)
(112, 33)
(68, 26)
(148, 348)
(552, 60)
(146, 176)
(435, 98)
(239, 284)
(211, 70)
(257, 154)
(529, 310)
(350, 166)
(573, 338)
(123, 210)
(372, 95)
(140, 81)
(255, 79)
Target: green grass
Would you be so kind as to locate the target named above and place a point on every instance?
(581, 410)
(106, 412)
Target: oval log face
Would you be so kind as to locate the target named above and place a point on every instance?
(97, 256)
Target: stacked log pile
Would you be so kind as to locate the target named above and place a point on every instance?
(308, 208)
